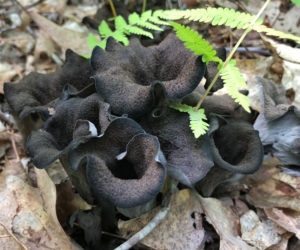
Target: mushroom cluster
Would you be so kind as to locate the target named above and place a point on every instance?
(107, 119)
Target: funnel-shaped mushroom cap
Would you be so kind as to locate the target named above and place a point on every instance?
(75, 120)
(279, 123)
(37, 89)
(126, 179)
(189, 159)
(235, 145)
(126, 76)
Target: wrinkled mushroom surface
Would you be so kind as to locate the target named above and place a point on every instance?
(126, 77)
(189, 159)
(37, 89)
(235, 145)
(279, 123)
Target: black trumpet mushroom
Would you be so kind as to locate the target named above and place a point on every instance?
(127, 77)
(107, 120)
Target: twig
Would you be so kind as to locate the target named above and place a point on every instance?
(15, 238)
(18, 71)
(5, 236)
(146, 230)
(13, 143)
(34, 4)
(144, 6)
(113, 9)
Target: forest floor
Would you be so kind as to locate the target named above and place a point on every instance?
(257, 211)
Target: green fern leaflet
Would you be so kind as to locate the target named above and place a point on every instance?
(233, 81)
(194, 42)
(136, 25)
(224, 16)
(197, 123)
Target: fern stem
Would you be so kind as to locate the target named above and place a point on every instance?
(144, 6)
(231, 54)
(113, 9)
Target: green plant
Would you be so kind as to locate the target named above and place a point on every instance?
(136, 24)
(228, 71)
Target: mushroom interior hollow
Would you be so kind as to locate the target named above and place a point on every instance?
(124, 169)
(232, 145)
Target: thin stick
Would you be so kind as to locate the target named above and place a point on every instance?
(5, 236)
(13, 143)
(15, 238)
(146, 230)
(231, 54)
(18, 71)
(113, 9)
(144, 6)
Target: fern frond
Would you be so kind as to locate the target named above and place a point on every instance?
(143, 20)
(216, 16)
(233, 81)
(194, 42)
(197, 123)
(224, 16)
(277, 33)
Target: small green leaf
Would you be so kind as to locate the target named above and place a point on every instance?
(93, 41)
(146, 15)
(233, 81)
(104, 29)
(121, 37)
(296, 2)
(149, 26)
(138, 31)
(120, 23)
(197, 123)
(194, 42)
(133, 18)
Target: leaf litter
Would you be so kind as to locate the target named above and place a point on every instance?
(258, 211)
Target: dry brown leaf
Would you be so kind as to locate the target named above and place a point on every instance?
(251, 68)
(283, 244)
(44, 45)
(225, 222)
(52, 6)
(28, 212)
(269, 187)
(66, 39)
(181, 229)
(7, 72)
(289, 220)
(22, 40)
(291, 79)
(68, 201)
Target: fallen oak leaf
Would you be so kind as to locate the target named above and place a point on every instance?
(289, 220)
(225, 223)
(65, 38)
